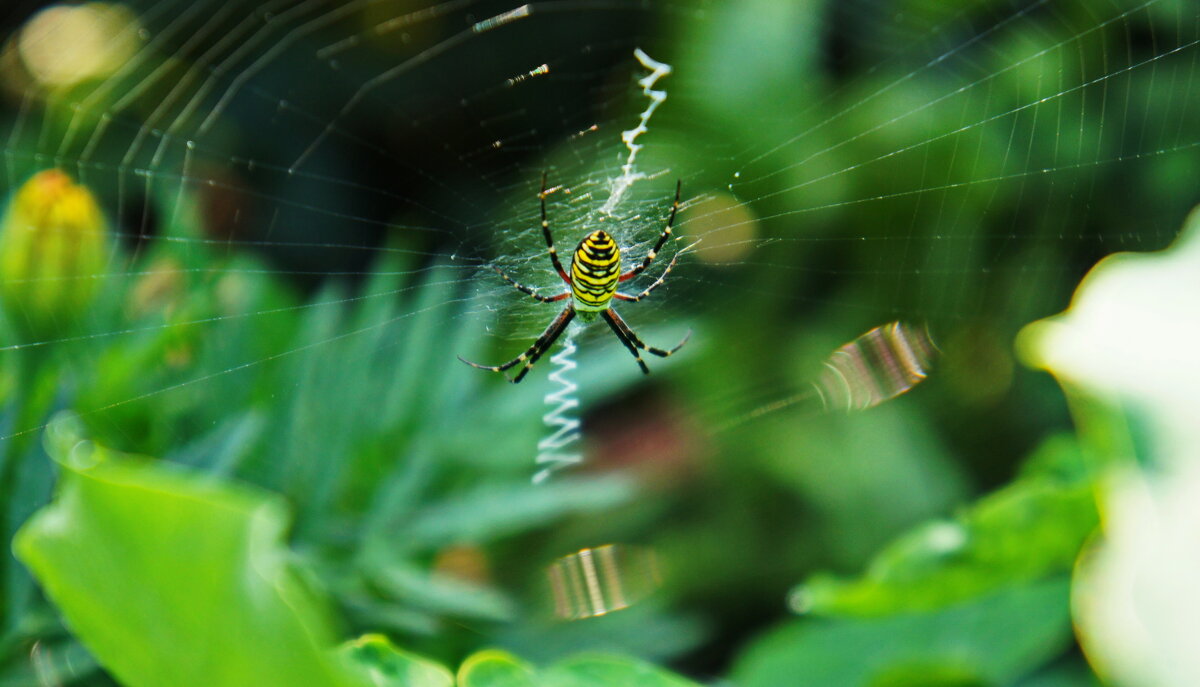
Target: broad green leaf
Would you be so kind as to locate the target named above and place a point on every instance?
(172, 579)
(495, 669)
(990, 641)
(388, 666)
(499, 669)
(1029, 530)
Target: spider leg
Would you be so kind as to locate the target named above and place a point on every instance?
(527, 290)
(608, 317)
(617, 323)
(550, 239)
(555, 330)
(531, 355)
(626, 297)
(662, 239)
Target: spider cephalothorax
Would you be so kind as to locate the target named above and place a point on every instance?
(595, 273)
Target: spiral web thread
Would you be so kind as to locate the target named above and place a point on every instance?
(562, 419)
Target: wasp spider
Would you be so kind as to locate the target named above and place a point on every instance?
(593, 278)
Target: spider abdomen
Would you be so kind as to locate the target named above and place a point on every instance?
(595, 270)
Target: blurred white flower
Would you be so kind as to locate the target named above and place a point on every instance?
(1129, 341)
(1131, 335)
(1135, 599)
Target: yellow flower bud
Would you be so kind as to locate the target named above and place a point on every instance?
(53, 243)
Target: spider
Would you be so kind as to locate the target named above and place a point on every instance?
(593, 278)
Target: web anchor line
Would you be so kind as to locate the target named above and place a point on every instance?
(562, 419)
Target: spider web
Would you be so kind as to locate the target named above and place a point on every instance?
(843, 165)
(188, 109)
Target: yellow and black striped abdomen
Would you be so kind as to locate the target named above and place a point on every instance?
(595, 269)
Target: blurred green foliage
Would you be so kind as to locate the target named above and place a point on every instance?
(1030, 529)
(171, 577)
(994, 640)
(980, 600)
(977, 582)
(388, 666)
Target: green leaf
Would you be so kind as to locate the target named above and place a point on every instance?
(172, 579)
(220, 452)
(388, 666)
(492, 511)
(495, 669)
(48, 662)
(645, 631)
(1032, 529)
(597, 671)
(499, 669)
(993, 640)
(423, 590)
(1072, 673)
